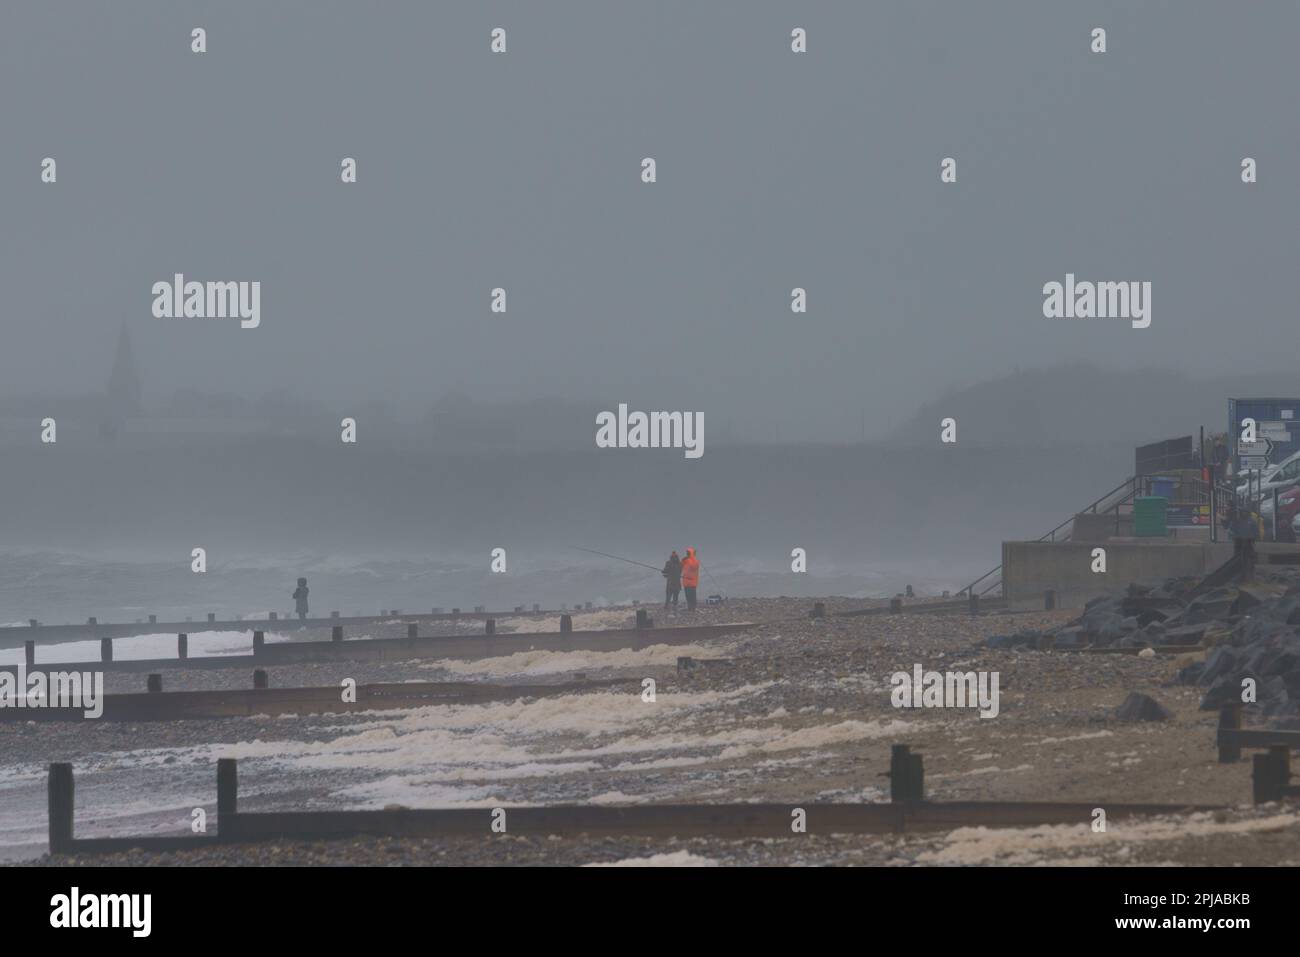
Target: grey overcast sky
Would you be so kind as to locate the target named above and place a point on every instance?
(522, 170)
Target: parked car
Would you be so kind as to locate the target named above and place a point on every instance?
(1288, 512)
(1285, 475)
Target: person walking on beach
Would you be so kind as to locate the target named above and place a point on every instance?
(673, 572)
(300, 598)
(690, 577)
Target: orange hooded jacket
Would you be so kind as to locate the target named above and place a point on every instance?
(690, 570)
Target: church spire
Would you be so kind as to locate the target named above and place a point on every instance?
(124, 382)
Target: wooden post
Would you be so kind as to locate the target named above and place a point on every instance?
(1229, 721)
(153, 619)
(1214, 512)
(259, 680)
(413, 631)
(455, 612)
(259, 642)
(900, 774)
(61, 808)
(29, 653)
(974, 603)
(212, 616)
(92, 620)
(490, 626)
(1049, 600)
(819, 609)
(182, 645)
(227, 792)
(916, 774)
(566, 624)
(154, 683)
(642, 619)
(895, 606)
(273, 615)
(1282, 754)
(106, 649)
(336, 633)
(1269, 777)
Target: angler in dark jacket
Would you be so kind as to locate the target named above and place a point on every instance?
(300, 598)
(672, 571)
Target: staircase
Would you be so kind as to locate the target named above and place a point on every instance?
(1118, 502)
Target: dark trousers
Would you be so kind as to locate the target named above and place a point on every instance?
(690, 598)
(670, 594)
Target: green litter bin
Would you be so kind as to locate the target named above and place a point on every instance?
(1150, 516)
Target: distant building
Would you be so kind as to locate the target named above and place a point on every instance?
(101, 414)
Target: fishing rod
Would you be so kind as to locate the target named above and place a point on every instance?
(704, 568)
(615, 557)
(618, 558)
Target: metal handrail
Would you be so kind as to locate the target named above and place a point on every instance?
(1130, 481)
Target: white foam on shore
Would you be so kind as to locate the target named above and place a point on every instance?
(165, 811)
(558, 662)
(615, 798)
(1077, 737)
(818, 736)
(201, 644)
(675, 859)
(582, 621)
(458, 736)
(445, 754)
(986, 769)
(1020, 846)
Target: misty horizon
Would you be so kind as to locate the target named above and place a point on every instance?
(675, 295)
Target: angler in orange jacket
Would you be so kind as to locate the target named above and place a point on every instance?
(690, 577)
